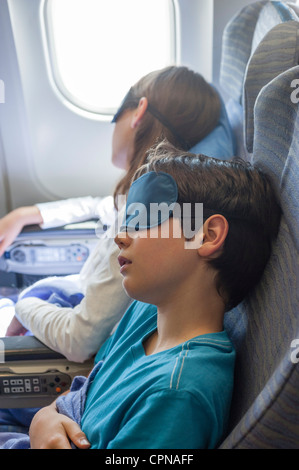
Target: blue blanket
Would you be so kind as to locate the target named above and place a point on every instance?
(61, 291)
(55, 290)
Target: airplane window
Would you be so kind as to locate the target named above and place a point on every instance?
(99, 48)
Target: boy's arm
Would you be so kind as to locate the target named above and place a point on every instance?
(52, 430)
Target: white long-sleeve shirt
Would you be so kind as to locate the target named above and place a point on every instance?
(73, 210)
(79, 332)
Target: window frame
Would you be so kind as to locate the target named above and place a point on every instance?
(53, 69)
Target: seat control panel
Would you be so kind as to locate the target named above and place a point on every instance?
(29, 385)
(30, 254)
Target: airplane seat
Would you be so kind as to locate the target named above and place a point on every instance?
(294, 7)
(265, 326)
(273, 13)
(240, 38)
(276, 52)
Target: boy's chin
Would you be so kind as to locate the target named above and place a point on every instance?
(136, 294)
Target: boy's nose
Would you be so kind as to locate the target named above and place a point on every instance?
(122, 239)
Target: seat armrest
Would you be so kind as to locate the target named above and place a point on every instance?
(33, 375)
(26, 348)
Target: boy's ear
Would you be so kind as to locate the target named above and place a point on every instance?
(215, 230)
(139, 112)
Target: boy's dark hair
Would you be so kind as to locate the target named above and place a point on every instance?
(239, 191)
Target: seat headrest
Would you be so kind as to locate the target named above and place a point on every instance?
(271, 14)
(220, 142)
(277, 52)
(276, 143)
(241, 37)
(236, 49)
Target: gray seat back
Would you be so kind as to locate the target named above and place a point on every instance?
(241, 37)
(277, 51)
(265, 327)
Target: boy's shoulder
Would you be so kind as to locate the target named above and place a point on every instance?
(204, 366)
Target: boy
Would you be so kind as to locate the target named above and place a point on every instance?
(164, 379)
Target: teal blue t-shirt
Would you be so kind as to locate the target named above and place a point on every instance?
(174, 399)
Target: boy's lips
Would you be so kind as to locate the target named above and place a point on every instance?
(123, 262)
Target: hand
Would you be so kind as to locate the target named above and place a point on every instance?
(12, 224)
(51, 430)
(15, 328)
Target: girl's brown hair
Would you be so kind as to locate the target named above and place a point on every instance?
(183, 97)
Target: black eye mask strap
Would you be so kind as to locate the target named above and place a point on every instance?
(185, 145)
(130, 101)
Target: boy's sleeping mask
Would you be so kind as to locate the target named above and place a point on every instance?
(151, 201)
